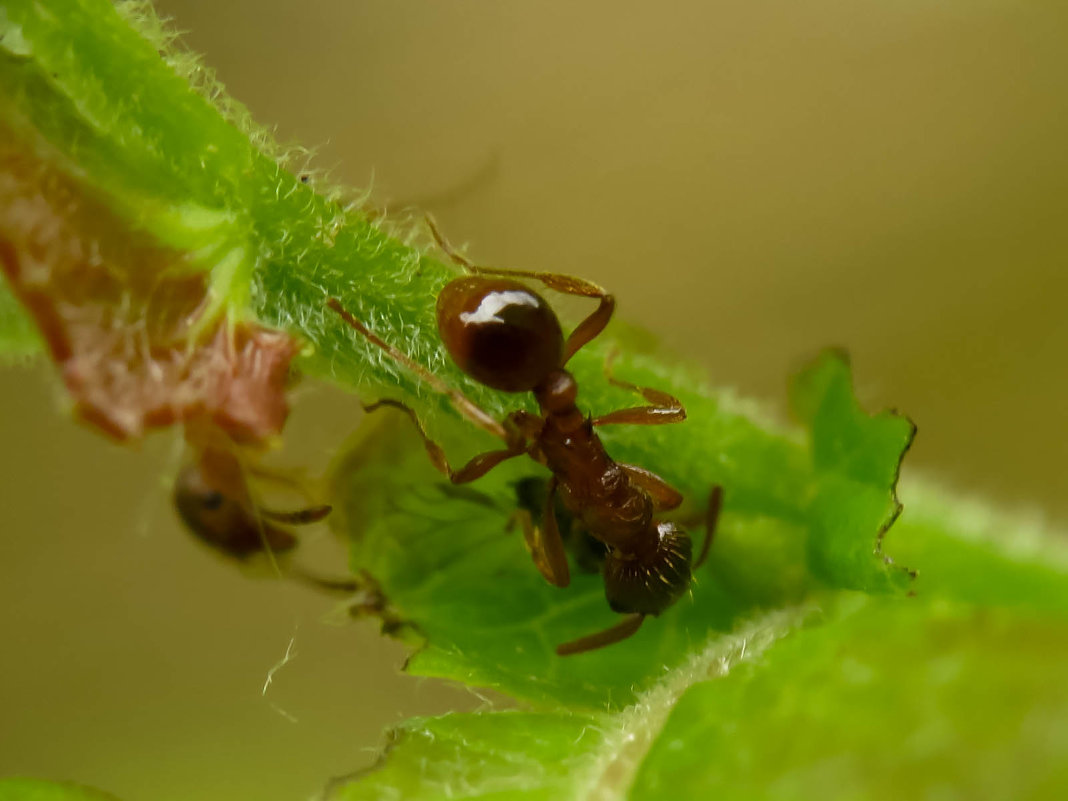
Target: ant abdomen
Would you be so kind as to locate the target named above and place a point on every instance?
(648, 582)
(499, 332)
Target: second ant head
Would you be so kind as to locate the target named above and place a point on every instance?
(499, 332)
(221, 518)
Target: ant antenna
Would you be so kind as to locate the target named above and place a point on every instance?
(460, 402)
(300, 517)
(341, 586)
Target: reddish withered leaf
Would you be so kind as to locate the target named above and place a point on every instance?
(123, 318)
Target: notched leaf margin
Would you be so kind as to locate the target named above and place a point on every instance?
(848, 445)
(618, 742)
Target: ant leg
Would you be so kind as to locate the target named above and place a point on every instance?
(447, 195)
(343, 586)
(464, 405)
(617, 633)
(585, 331)
(298, 517)
(467, 495)
(552, 545)
(545, 544)
(715, 503)
(663, 408)
(477, 467)
(282, 478)
(665, 497)
(523, 424)
(590, 328)
(312, 513)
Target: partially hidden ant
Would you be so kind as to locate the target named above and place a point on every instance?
(586, 553)
(215, 501)
(507, 337)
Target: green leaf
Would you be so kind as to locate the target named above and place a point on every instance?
(871, 699)
(829, 677)
(120, 153)
(887, 699)
(498, 755)
(449, 564)
(857, 457)
(968, 552)
(41, 790)
(561, 754)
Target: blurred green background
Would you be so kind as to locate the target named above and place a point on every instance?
(753, 180)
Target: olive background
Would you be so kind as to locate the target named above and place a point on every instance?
(753, 180)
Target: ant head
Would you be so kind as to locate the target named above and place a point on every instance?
(499, 332)
(648, 582)
(221, 521)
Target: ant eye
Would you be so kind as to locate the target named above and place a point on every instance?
(212, 501)
(499, 332)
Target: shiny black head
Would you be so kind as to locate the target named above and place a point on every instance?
(499, 332)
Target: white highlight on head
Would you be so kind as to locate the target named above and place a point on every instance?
(493, 303)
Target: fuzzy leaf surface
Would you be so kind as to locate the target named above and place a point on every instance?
(450, 563)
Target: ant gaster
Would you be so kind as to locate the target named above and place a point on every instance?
(507, 337)
(213, 498)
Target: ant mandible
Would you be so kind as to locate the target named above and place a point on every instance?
(507, 337)
(214, 500)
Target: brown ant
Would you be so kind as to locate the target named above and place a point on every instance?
(215, 502)
(507, 337)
